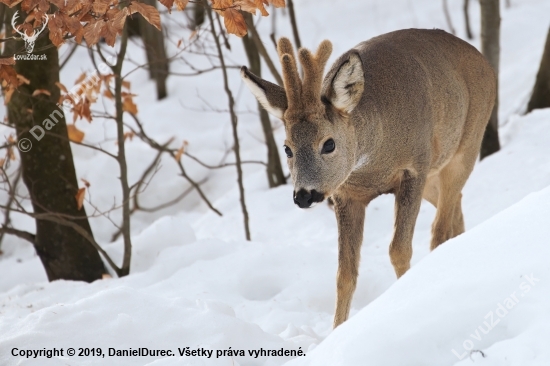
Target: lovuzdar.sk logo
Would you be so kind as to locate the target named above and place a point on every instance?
(29, 40)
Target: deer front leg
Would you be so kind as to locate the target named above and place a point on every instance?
(350, 216)
(407, 204)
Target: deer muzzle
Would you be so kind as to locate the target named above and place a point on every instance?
(304, 198)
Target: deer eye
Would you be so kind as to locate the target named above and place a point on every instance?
(288, 151)
(328, 146)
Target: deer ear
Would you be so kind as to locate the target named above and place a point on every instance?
(271, 96)
(347, 85)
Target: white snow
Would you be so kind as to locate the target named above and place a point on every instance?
(197, 283)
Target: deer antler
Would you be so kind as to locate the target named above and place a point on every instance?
(314, 65)
(307, 93)
(291, 78)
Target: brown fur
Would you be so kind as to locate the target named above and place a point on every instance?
(407, 111)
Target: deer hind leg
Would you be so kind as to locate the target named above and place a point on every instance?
(407, 204)
(431, 194)
(350, 216)
(449, 220)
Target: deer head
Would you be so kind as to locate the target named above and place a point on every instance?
(29, 40)
(320, 143)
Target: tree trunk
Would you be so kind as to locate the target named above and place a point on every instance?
(541, 92)
(490, 47)
(153, 41)
(48, 170)
(275, 175)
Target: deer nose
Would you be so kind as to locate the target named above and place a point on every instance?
(303, 198)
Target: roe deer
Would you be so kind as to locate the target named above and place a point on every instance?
(402, 113)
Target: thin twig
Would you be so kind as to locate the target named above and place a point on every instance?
(234, 121)
(263, 52)
(121, 157)
(155, 145)
(294, 24)
(448, 17)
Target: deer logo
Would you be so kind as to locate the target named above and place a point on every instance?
(29, 40)
(402, 113)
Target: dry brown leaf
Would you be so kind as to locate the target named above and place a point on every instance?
(7, 95)
(23, 80)
(129, 106)
(7, 61)
(168, 3)
(41, 91)
(251, 6)
(109, 33)
(86, 183)
(55, 26)
(150, 13)
(126, 84)
(118, 18)
(9, 77)
(179, 153)
(234, 22)
(80, 197)
(81, 78)
(107, 93)
(11, 3)
(129, 135)
(82, 110)
(277, 3)
(11, 154)
(73, 26)
(61, 87)
(181, 4)
(75, 134)
(92, 31)
(100, 7)
(43, 5)
(29, 18)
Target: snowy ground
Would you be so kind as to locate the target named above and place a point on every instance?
(196, 283)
